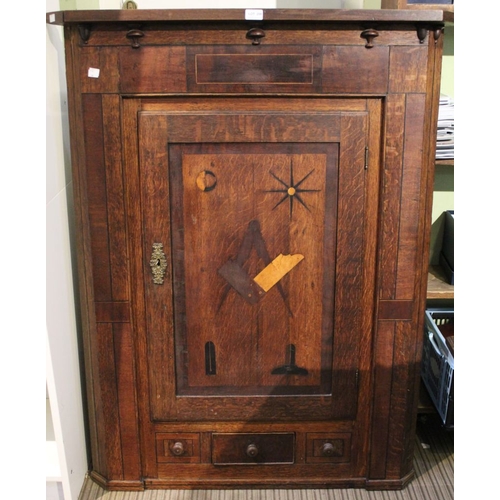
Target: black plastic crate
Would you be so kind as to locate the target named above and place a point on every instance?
(438, 365)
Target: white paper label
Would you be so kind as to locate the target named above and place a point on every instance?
(93, 73)
(254, 14)
(52, 18)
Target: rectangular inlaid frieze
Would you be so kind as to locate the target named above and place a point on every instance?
(221, 69)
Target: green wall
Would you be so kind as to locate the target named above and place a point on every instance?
(78, 4)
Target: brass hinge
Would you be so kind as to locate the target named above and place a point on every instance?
(357, 378)
(366, 157)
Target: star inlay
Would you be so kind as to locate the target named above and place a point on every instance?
(292, 190)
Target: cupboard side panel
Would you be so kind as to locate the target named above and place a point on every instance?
(431, 106)
(127, 401)
(382, 383)
(107, 236)
(83, 248)
(402, 269)
(408, 255)
(115, 202)
(391, 195)
(401, 398)
(409, 273)
(96, 195)
(107, 412)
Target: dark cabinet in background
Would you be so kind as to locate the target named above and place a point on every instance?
(252, 204)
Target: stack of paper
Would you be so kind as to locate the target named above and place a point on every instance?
(445, 148)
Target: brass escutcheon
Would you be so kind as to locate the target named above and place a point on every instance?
(158, 263)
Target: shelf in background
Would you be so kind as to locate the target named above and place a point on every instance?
(448, 9)
(437, 286)
(449, 162)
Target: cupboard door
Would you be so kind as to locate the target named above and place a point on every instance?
(254, 227)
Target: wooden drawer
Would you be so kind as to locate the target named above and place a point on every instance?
(328, 447)
(248, 449)
(177, 447)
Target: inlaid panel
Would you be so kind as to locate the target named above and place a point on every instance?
(252, 264)
(246, 67)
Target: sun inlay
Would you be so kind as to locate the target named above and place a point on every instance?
(292, 190)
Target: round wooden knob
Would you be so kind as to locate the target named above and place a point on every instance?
(327, 449)
(134, 35)
(252, 451)
(177, 448)
(369, 35)
(255, 34)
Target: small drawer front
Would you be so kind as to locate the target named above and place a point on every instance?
(177, 447)
(250, 449)
(328, 448)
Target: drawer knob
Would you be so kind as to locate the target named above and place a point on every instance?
(255, 34)
(135, 35)
(252, 451)
(327, 450)
(178, 449)
(369, 35)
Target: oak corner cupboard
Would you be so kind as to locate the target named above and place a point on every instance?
(252, 195)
